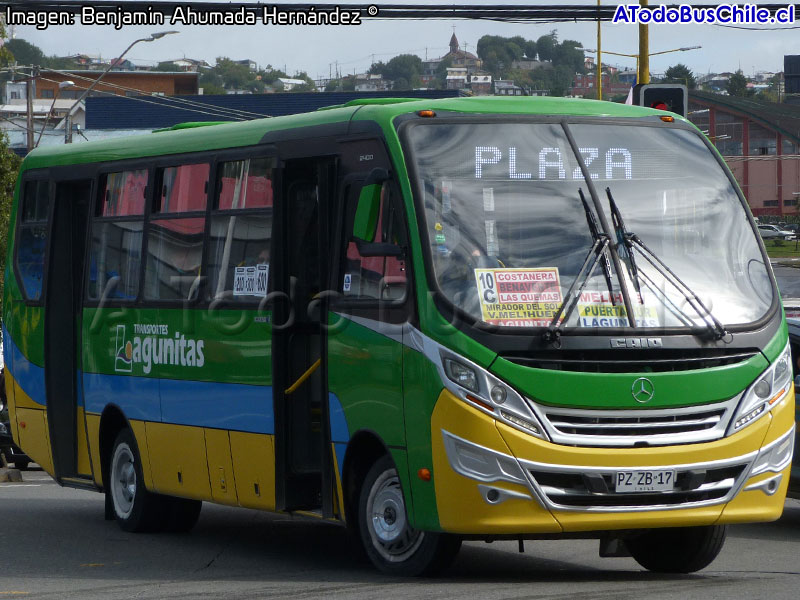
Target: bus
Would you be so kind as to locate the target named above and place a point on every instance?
(430, 321)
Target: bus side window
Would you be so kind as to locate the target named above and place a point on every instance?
(116, 246)
(376, 277)
(175, 234)
(32, 242)
(241, 231)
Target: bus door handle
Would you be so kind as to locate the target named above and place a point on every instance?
(309, 372)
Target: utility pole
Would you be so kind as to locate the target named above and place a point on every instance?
(29, 121)
(643, 76)
(599, 76)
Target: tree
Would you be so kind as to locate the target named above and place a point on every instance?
(234, 75)
(404, 66)
(26, 53)
(530, 49)
(498, 53)
(680, 73)
(167, 66)
(441, 72)
(9, 169)
(737, 85)
(545, 46)
(211, 83)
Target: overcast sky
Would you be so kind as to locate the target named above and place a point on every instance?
(316, 49)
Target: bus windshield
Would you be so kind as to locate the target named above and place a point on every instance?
(508, 216)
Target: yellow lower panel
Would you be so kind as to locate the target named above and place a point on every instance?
(459, 502)
(220, 467)
(34, 437)
(84, 465)
(254, 469)
(93, 435)
(140, 433)
(178, 460)
(750, 506)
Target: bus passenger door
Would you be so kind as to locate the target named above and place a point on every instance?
(302, 435)
(62, 342)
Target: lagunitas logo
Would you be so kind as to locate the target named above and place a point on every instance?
(152, 344)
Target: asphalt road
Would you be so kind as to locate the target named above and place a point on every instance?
(57, 545)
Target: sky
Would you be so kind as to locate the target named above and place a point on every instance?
(317, 50)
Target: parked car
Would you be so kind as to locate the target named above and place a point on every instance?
(774, 232)
(794, 342)
(793, 227)
(8, 448)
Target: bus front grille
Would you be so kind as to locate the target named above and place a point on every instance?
(636, 428)
(595, 489)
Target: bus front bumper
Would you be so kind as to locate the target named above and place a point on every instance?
(492, 479)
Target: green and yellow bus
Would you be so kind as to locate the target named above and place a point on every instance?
(473, 318)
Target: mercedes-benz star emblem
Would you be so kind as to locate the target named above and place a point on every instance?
(643, 390)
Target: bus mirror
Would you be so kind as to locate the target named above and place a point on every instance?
(369, 204)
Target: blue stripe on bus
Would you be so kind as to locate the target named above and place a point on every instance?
(339, 430)
(137, 397)
(198, 403)
(29, 377)
(220, 405)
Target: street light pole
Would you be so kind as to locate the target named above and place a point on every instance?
(68, 122)
(599, 75)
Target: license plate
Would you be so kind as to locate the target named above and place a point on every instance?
(645, 481)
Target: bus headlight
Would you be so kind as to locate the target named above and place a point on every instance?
(483, 390)
(766, 392)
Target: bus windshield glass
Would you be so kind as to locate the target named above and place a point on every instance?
(508, 216)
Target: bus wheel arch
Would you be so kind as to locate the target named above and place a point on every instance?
(364, 450)
(112, 421)
(376, 513)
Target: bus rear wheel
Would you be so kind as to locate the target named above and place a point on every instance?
(679, 549)
(135, 509)
(391, 543)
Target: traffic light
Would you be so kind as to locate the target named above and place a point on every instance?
(663, 96)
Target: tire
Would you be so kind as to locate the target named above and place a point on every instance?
(678, 550)
(180, 514)
(135, 509)
(390, 543)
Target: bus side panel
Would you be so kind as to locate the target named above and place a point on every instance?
(365, 374)
(34, 437)
(84, 462)
(254, 469)
(93, 440)
(220, 466)
(185, 474)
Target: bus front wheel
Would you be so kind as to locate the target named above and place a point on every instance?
(679, 549)
(389, 540)
(135, 509)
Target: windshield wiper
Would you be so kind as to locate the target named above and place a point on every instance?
(598, 250)
(596, 235)
(633, 242)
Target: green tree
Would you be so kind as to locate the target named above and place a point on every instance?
(404, 66)
(9, 169)
(545, 46)
(26, 53)
(680, 73)
(234, 75)
(530, 49)
(498, 53)
(441, 72)
(167, 66)
(211, 82)
(737, 85)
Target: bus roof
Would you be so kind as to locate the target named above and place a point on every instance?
(246, 133)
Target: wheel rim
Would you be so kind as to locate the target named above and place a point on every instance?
(123, 480)
(388, 527)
